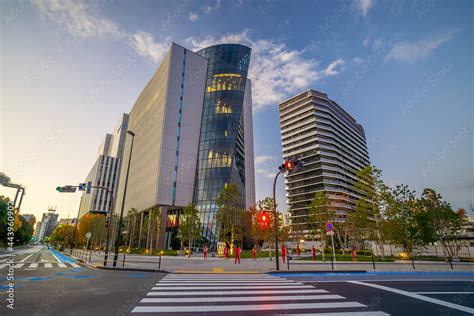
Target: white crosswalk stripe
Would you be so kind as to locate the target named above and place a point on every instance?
(215, 293)
(41, 265)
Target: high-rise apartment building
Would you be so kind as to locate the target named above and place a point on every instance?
(193, 135)
(106, 171)
(332, 145)
(47, 225)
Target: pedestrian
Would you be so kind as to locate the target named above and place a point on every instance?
(237, 254)
(205, 251)
(354, 255)
(313, 252)
(283, 253)
(226, 253)
(254, 252)
(298, 250)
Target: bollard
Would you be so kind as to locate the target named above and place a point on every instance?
(332, 263)
(450, 263)
(373, 261)
(159, 263)
(288, 262)
(90, 255)
(412, 262)
(123, 262)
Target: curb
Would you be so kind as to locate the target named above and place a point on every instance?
(129, 269)
(317, 271)
(215, 272)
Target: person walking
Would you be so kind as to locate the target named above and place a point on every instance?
(205, 252)
(283, 253)
(254, 253)
(298, 250)
(354, 255)
(237, 254)
(226, 253)
(313, 252)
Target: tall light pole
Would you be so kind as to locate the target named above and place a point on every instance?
(119, 228)
(73, 243)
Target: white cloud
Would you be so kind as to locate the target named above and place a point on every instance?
(208, 8)
(276, 71)
(79, 20)
(376, 43)
(358, 60)
(262, 159)
(145, 45)
(413, 51)
(193, 16)
(363, 6)
(366, 42)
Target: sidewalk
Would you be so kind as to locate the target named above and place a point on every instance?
(197, 264)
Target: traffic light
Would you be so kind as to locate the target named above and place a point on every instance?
(263, 220)
(66, 189)
(291, 165)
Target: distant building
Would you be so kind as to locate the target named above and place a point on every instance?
(332, 145)
(67, 221)
(47, 225)
(106, 171)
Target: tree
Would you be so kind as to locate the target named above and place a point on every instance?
(404, 213)
(319, 213)
(360, 222)
(188, 229)
(229, 217)
(95, 224)
(23, 231)
(154, 220)
(373, 196)
(442, 223)
(62, 235)
(131, 220)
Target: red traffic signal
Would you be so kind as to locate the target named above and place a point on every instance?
(289, 165)
(264, 220)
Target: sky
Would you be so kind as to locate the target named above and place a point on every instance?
(402, 69)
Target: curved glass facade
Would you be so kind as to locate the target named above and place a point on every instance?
(221, 145)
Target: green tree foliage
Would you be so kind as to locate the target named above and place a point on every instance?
(374, 193)
(189, 226)
(320, 212)
(441, 222)
(62, 236)
(95, 224)
(230, 214)
(22, 229)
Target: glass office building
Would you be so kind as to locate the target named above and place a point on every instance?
(221, 157)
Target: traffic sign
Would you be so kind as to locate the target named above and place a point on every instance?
(329, 226)
(82, 186)
(88, 187)
(331, 233)
(88, 235)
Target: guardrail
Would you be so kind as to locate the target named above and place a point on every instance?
(374, 263)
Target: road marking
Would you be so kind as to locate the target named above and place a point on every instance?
(443, 292)
(75, 265)
(34, 265)
(242, 287)
(229, 283)
(62, 265)
(220, 293)
(377, 313)
(217, 276)
(417, 296)
(219, 280)
(48, 265)
(239, 308)
(179, 300)
(19, 265)
(391, 280)
(26, 258)
(57, 259)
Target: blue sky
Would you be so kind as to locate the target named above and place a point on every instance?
(403, 69)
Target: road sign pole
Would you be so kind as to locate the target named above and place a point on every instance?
(333, 251)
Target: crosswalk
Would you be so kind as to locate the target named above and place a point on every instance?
(237, 294)
(41, 265)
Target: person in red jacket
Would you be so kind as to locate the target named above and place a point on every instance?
(205, 252)
(354, 255)
(313, 252)
(226, 253)
(237, 254)
(254, 253)
(298, 250)
(283, 253)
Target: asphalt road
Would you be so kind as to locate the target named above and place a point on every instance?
(80, 290)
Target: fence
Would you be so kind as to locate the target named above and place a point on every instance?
(122, 259)
(374, 263)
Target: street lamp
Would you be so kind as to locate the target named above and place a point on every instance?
(288, 166)
(6, 182)
(119, 228)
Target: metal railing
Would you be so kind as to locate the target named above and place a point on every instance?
(124, 261)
